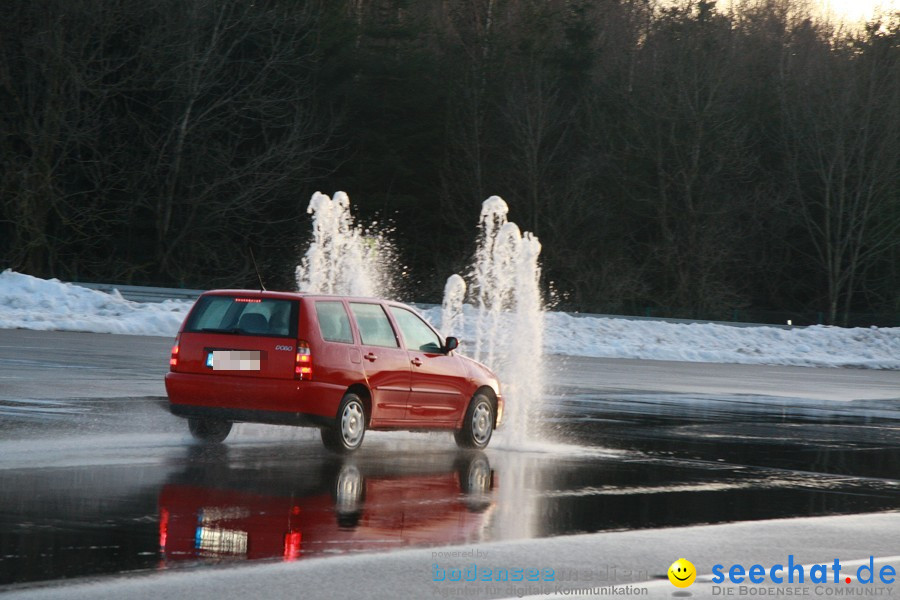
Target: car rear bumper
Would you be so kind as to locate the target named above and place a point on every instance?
(243, 415)
(253, 399)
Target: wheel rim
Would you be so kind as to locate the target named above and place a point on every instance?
(352, 424)
(481, 423)
(479, 479)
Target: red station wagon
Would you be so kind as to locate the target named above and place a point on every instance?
(341, 364)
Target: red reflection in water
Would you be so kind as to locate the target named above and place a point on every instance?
(360, 513)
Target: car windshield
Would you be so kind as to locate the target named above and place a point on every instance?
(248, 316)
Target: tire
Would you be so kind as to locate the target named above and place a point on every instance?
(474, 474)
(209, 430)
(475, 482)
(478, 424)
(349, 429)
(349, 495)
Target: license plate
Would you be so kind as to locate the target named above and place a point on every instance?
(233, 360)
(215, 541)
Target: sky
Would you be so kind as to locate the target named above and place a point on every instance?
(849, 11)
(857, 10)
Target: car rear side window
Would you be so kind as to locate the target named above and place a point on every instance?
(374, 327)
(248, 316)
(334, 322)
(416, 333)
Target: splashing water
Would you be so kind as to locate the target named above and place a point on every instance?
(343, 258)
(509, 320)
(346, 259)
(452, 307)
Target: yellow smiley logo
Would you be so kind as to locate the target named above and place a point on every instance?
(682, 573)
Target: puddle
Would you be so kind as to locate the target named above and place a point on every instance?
(625, 461)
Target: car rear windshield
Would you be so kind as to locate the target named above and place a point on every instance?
(244, 316)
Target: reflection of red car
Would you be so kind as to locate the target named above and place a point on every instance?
(343, 365)
(352, 513)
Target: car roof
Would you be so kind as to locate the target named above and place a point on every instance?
(280, 295)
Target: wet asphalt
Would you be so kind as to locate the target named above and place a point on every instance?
(97, 478)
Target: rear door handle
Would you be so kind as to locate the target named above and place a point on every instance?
(416, 362)
(370, 357)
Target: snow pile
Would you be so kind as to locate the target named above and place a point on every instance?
(818, 346)
(30, 303)
(875, 348)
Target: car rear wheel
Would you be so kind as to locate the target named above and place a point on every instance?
(349, 493)
(349, 428)
(478, 424)
(209, 430)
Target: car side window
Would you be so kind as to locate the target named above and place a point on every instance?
(374, 327)
(334, 322)
(416, 333)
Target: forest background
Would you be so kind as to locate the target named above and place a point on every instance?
(737, 160)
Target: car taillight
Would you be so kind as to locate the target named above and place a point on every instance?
(303, 362)
(292, 542)
(163, 528)
(173, 361)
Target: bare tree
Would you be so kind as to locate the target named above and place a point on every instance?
(688, 158)
(841, 137)
(240, 126)
(470, 39)
(538, 125)
(58, 78)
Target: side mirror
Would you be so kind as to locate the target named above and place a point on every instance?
(451, 344)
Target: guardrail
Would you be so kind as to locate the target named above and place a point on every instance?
(685, 321)
(138, 293)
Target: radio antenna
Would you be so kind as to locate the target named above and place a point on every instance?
(262, 288)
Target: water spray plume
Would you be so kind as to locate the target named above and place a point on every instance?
(343, 258)
(504, 286)
(505, 289)
(452, 306)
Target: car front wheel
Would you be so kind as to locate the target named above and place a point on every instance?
(478, 424)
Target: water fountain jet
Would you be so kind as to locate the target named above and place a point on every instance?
(504, 289)
(509, 315)
(344, 258)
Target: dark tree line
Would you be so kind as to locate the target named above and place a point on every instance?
(667, 154)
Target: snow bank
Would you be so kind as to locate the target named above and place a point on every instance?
(876, 348)
(30, 303)
(818, 346)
